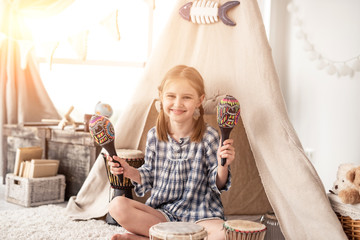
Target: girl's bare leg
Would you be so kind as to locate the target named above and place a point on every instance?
(214, 228)
(134, 216)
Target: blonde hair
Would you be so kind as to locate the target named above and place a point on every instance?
(197, 82)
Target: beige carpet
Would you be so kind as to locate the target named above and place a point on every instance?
(50, 222)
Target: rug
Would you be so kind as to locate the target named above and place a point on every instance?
(50, 222)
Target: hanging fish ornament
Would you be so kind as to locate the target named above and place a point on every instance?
(206, 12)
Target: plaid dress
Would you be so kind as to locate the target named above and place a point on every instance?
(182, 177)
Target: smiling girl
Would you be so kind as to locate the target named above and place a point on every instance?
(182, 164)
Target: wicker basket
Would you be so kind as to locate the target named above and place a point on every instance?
(351, 227)
(30, 192)
(348, 215)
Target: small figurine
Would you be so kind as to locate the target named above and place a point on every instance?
(103, 109)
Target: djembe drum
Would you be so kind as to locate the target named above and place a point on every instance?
(102, 131)
(134, 158)
(244, 230)
(273, 231)
(177, 231)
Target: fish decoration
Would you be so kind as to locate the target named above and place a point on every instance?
(207, 12)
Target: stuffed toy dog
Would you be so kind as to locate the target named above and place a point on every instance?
(341, 181)
(351, 194)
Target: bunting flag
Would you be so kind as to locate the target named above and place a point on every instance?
(110, 23)
(79, 44)
(27, 45)
(49, 49)
(78, 41)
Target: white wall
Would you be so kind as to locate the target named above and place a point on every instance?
(323, 108)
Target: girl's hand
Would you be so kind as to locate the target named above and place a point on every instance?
(226, 151)
(115, 167)
(125, 169)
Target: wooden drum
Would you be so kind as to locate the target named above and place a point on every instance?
(177, 231)
(134, 158)
(244, 230)
(273, 231)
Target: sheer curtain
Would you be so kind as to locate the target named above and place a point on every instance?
(23, 96)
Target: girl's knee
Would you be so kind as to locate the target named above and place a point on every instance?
(215, 234)
(218, 235)
(214, 229)
(119, 205)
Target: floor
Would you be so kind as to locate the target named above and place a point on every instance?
(4, 205)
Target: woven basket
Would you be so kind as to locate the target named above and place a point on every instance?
(351, 227)
(31, 192)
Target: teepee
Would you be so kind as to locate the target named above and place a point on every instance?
(237, 61)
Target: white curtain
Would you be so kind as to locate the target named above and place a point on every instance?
(23, 96)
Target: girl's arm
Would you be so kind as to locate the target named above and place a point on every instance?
(226, 151)
(126, 169)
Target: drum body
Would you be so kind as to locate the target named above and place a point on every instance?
(177, 231)
(244, 230)
(134, 158)
(273, 231)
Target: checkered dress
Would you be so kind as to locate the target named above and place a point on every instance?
(182, 177)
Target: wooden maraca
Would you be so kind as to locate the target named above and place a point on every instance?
(102, 130)
(228, 112)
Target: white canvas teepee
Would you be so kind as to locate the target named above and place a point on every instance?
(232, 60)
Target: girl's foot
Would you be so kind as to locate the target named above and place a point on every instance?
(127, 236)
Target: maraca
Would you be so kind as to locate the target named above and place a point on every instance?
(228, 112)
(102, 130)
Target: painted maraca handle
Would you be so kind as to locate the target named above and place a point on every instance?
(225, 133)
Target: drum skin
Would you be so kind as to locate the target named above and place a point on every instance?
(177, 231)
(244, 230)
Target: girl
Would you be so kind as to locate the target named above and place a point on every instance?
(182, 164)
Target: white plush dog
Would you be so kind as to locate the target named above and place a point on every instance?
(341, 181)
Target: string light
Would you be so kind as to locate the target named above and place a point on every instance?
(342, 68)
